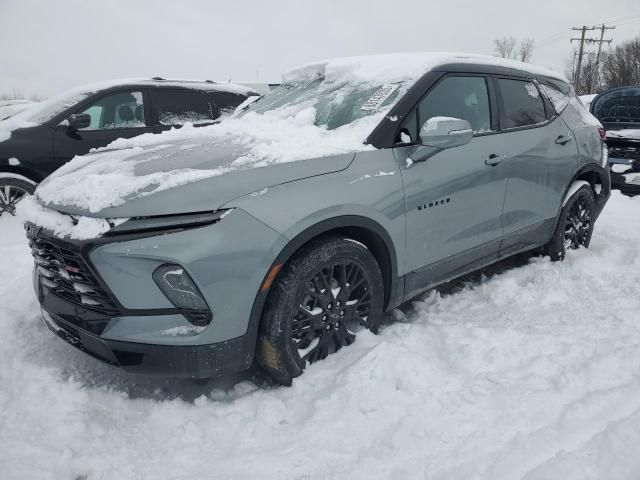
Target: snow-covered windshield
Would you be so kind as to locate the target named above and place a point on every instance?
(45, 111)
(335, 105)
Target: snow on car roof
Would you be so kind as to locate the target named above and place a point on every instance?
(398, 67)
(172, 82)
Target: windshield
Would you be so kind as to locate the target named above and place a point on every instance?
(335, 105)
(45, 111)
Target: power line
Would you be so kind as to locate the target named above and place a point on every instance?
(583, 39)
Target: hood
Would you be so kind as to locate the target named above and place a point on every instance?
(180, 177)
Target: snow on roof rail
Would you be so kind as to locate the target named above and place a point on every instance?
(154, 81)
(399, 67)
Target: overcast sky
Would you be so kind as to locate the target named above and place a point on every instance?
(48, 46)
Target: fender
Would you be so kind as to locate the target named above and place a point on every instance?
(395, 287)
(5, 174)
(575, 184)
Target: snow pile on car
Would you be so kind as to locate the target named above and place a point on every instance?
(528, 371)
(111, 176)
(399, 67)
(79, 228)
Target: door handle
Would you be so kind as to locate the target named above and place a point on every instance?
(494, 159)
(563, 139)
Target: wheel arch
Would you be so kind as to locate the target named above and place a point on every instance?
(362, 229)
(592, 174)
(19, 171)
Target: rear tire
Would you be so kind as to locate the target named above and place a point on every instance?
(12, 191)
(575, 225)
(323, 295)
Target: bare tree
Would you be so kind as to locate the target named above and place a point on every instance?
(621, 65)
(526, 49)
(590, 77)
(504, 47)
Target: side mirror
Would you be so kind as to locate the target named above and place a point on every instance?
(79, 121)
(445, 132)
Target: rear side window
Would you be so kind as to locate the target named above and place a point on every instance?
(225, 102)
(177, 107)
(522, 104)
(466, 98)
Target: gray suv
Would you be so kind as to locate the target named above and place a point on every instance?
(465, 160)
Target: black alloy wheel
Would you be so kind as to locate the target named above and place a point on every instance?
(12, 190)
(322, 297)
(334, 305)
(574, 226)
(577, 231)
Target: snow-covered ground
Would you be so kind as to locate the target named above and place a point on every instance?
(531, 370)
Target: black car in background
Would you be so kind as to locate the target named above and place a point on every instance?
(618, 109)
(40, 139)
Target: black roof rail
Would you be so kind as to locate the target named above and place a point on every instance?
(157, 78)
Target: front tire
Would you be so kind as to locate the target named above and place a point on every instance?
(12, 190)
(575, 225)
(323, 296)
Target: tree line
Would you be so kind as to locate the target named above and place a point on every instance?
(617, 67)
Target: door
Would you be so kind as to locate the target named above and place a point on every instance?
(454, 199)
(172, 108)
(114, 115)
(541, 160)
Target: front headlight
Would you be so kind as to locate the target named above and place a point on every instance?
(180, 289)
(168, 222)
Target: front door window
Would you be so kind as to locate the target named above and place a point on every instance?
(117, 110)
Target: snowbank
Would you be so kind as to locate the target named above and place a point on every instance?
(530, 372)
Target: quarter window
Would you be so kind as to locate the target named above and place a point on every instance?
(522, 104)
(118, 110)
(558, 99)
(177, 107)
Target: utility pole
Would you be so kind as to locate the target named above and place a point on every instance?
(603, 27)
(584, 40)
(580, 52)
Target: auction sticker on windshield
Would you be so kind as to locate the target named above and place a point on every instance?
(379, 97)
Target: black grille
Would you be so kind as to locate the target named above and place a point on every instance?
(65, 274)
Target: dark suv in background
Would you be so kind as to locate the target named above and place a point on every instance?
(37, 141)
(618, 109)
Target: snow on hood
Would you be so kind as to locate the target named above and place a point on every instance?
(628, 134)
(80, 228)
(398, 67)
(130, 168)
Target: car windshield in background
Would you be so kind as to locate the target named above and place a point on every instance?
(335, 104)
(46, 110)
(621, 105)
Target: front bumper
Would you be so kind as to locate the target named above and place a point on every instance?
(197, 361)
(127, 322)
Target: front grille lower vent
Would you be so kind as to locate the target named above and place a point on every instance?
(65, 274)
